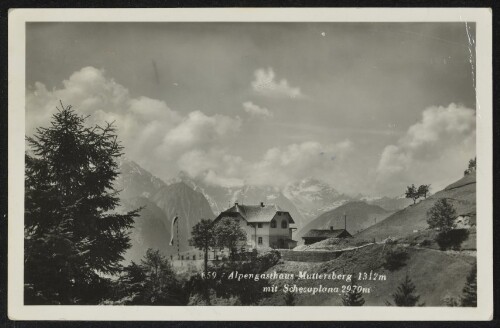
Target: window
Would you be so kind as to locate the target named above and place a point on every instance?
(284, 224)
(273, 223)
(260, 241)
(259, 225)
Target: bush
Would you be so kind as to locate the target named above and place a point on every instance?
(452, 239)
(425, 243)
(395, 258)
(219, 290)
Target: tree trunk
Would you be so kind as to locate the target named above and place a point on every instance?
(206, 261)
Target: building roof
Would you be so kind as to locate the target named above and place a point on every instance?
(324, 233)
(256, 213)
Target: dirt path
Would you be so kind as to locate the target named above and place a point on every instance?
(451, 252)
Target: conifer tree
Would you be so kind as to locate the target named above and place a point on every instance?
(469, 296)
(289, 299)
(405, 294)
(354, 297)
(73, 239)
(442, 215)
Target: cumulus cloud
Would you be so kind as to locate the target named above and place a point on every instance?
(153, 134)
(198, 130)
(165, 141)
(256, 110)
(298, 161)
(215, 167)
(265, 83)
(435, 150)
(277, 167)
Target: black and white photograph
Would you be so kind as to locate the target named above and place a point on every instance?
(253, 164)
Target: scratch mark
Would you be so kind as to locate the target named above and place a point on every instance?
(471, 43)
(155, 69)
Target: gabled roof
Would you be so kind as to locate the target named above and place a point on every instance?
(325, 233)
(255, 213)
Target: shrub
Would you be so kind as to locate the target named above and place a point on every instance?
(395, 258)
(425, 243)
(469, 297)
(452, 239)
(220, 289)
(451, 301)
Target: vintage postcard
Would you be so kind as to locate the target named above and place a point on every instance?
(250, 164)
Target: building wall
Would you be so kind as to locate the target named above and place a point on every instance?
(270, 236)
(278, 233)
(262, 232)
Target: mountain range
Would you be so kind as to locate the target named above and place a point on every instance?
(311, 203)
(160, 203)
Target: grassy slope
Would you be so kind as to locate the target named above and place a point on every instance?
(435, 274)
(462, 194)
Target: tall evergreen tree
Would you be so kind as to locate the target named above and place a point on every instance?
(469, 297)
(289, 299)
(161, 286)
(73, 239)
(442, 215)
(354, 297)
(405, 294)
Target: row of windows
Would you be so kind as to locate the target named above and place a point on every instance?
(284, 224)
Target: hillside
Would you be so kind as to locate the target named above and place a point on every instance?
(390, 204)
(150, 230)
(181, 200)
(435, 274)
(462, 194)
(360, 215)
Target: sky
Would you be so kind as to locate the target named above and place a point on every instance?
(366, 107)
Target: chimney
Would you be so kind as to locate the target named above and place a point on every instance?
(331, 228)
(261, 204)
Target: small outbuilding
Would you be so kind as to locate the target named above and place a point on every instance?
(317, 235)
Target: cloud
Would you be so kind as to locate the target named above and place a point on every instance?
(435, 150)
(277, 167)
(255, 110)
(153, 134)
(297, 161)
(266, 84)
(199, 130)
